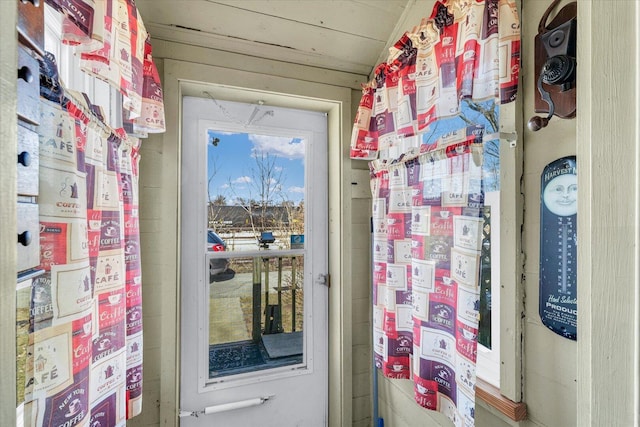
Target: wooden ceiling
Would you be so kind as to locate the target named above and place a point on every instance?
(343, 35)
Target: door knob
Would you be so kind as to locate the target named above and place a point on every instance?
(24, 238)
(25, 74)
(24, 159)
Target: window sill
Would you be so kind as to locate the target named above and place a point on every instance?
(491, 396)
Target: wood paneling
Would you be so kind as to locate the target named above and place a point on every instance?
(335, 35)
(608, 137)
(369, 19)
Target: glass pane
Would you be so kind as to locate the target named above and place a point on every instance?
(255, 190)
(256, 315)
(256, 193)
(484, 327)
(487, 115)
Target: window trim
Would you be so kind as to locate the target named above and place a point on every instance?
(488, 359)
(511, 251)
(508, 395)
(507, 399)
(489, 394)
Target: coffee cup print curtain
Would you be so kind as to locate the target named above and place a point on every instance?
(464, 50)
(85, 337)
(114, 46)
(85, 345)
(427, 216)
(427, 157)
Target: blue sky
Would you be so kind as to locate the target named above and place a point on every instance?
(236, 170)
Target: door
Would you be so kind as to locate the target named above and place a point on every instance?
(254, 262)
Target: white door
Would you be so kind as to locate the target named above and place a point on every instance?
(254, 258)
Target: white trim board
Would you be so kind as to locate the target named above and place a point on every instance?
(191, 79)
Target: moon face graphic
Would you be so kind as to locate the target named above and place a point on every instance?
(561, 195)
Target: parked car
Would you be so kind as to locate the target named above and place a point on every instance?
(218, 267)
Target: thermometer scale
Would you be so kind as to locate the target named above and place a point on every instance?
(566, 259)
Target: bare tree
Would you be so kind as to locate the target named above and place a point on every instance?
(489, 113)
(265, 190)
(220, 200)
(267, 181)
(290, 219)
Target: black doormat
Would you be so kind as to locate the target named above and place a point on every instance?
(224, 358)
(245, 356)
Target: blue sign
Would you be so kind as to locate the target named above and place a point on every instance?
(297, 241)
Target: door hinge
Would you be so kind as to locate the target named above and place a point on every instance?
(324, 279)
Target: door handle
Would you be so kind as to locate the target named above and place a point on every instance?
(256, 401)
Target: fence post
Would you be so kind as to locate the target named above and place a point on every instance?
(257, 281)
(293, 294)
(266, 294)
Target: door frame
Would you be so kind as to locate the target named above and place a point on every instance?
(189, 79)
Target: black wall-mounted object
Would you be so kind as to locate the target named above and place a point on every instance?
(555, 65)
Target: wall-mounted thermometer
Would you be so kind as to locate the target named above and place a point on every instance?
(558, 240)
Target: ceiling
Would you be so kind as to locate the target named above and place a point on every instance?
(344, 35)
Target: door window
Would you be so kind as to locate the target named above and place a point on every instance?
(255, 250)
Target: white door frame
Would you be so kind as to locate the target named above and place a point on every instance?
(181, 79)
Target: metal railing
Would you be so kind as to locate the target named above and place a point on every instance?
(274, 313)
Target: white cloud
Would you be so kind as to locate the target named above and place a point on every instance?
(289, 148)
(296, 190)
(242, 180)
